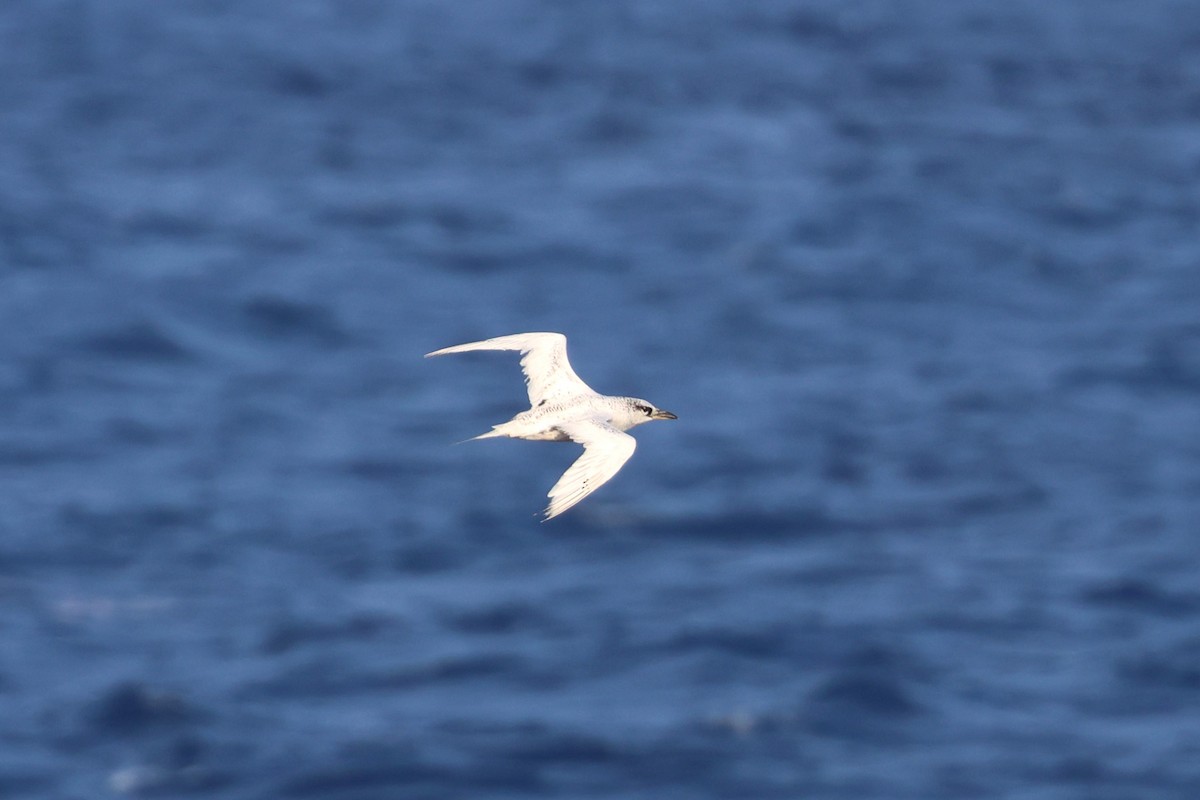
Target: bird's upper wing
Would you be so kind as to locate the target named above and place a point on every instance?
(548, 373)
(606, 450)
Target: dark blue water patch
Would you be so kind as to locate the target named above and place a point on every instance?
(1169, 361)
(1086, 775)
(1000, 500)
(158, 224)
(502, 618)
(458, 221)
(874, 657)
(699, 224)
(317, 678)
(137, 341)
(368, 771)
(928, 466)
(49, 236)
(585, 764)
(383, 469)
(1142, 596)
(301, 81)
(330, 675)
(908, 81)
(283, 241)
(1079, 770)
(25, 783)
(845, 458)
(812, 26)
(370, 216)
(1173, 359)
(278, 318)
(130, 524)
(532, 260)
(135, 708)
(292, 634)
(615, 128)
(767, 643)
(27, 455)
(862, 705)
(749, 525)
(40, 373)
(101, 540)
(1023, 621)
(138, 432)
(498, 666)
(1174, 670)
(427, 556)
(536, 743)
(860, 694)
(542, 73)
(347, 553)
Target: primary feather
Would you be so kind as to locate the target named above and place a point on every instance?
(548, 373)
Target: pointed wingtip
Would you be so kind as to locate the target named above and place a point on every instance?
(550, 513)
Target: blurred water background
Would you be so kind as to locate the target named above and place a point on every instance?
(921, 279)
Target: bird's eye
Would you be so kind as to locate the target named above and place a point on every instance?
(647, 410)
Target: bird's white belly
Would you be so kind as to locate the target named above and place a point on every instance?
(541, 424)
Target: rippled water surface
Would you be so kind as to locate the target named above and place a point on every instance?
(922, 281)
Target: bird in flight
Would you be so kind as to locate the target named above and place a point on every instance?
(564, 408)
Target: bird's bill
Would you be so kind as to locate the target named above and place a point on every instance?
(660, 414)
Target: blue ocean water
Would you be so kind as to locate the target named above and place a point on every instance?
(921, 279)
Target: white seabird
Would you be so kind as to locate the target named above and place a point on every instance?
(564, 408)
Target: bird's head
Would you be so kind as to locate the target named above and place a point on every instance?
(644, 411)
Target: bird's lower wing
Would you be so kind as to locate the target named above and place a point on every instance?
(606, 450)
(548, 373)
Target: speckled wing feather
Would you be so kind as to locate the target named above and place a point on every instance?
(606, 450)
(548, 373)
